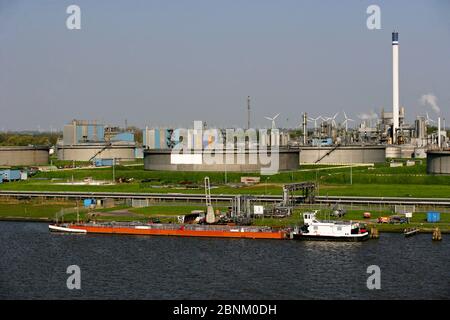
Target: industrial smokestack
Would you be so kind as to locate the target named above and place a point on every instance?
(305, 118)
(248, 112)
(439, 132)
(395, 87)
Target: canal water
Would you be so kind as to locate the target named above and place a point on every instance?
(33, 264)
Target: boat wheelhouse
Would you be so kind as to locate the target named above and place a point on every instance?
(314, 229)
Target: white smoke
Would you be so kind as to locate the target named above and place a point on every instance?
(430, 100)
(368, 116)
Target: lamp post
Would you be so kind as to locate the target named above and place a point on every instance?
(225, 171)
(351, 168)
(113, 170)
(265, 190)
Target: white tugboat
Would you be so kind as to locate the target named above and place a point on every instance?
(313, 229)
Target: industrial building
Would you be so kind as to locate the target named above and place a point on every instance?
(24, 156)
(387, 134)
(212, 149)
(88, 140)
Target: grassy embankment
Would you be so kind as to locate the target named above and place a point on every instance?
(35, 210)
(380, 180)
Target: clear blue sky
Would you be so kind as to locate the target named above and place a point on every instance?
(171, 62)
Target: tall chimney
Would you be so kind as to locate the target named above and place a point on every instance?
(395, 86)
(248, 112)
(305, 133)
(439, 132)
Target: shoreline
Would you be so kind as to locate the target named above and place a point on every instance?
(48, 220)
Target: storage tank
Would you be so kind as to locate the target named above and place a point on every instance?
(438, 161)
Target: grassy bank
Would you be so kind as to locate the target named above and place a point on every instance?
(356, 189)
(35, 210)
(379, 180)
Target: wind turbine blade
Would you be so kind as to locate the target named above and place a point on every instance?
(275, 116)
(270, 119)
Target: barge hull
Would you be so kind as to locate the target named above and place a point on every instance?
(180, 232)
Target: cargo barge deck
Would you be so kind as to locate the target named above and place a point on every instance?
(181, 230)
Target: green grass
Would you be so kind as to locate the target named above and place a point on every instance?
(167, 213)
(380, 180)
(387, 190)
(157, 210)
(357, 189)
(32, 210)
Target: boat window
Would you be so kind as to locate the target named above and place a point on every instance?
(339, 228)
(316, 228)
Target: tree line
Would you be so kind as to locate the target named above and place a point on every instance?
(29, 138)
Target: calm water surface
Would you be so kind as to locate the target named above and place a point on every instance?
(33, 265)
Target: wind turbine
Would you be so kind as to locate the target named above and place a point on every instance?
(333, 122)
(273, 120)
(315, 121)
(346, 121)
(428, 120)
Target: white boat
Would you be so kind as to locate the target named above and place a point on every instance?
(65, 229)
(314, 229)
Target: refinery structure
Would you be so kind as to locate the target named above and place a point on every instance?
(320, 139)
(323, 140)
(88, 140)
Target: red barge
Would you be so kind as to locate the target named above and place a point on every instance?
(181, 230)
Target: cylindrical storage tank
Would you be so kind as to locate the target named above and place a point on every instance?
(342, 154)
(438, 162)
(223, 160)
(84, 152)
(26, 156)
(393, 152)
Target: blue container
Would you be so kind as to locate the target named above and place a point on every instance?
(14, 175)
(107, 162)
(103, 162)
(433, 216)
(98, 162)
(10, 175)
(88, 202)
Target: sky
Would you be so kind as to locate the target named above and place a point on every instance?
(170, 62)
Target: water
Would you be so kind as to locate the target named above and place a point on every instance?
(33, 265)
